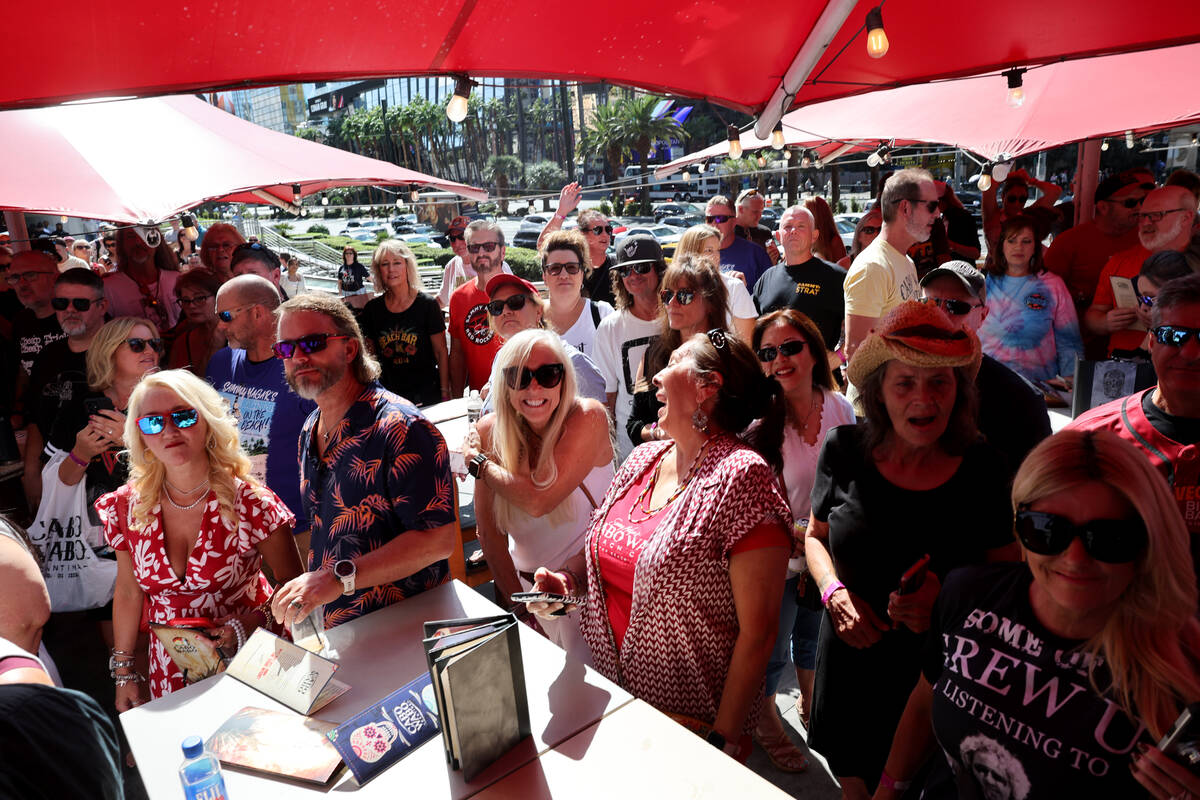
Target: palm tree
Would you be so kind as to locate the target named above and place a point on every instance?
(604, 137)
(546, 177)
(640, 129)
(501, 170)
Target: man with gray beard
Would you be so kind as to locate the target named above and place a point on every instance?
(1166, 221)
(374, 474)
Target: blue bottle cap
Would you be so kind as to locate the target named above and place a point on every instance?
(193, 746)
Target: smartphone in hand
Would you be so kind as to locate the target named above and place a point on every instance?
(1182, 742)
(547, 597)
(914, 576)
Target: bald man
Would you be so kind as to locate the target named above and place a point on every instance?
(1167, 221)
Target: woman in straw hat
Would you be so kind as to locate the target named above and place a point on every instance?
(914, 480)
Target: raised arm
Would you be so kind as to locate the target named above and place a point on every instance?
(568, 201)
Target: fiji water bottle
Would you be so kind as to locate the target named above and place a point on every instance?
(200, 772)
(474, 406)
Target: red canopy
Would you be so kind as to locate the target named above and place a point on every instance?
(735, 54)
(147, 160)
(1064, 103)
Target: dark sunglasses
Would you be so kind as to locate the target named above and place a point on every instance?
(455, 237)
(313, 343)
(641, 269)
(718, 219)
(227, 316)
(596, 230)
(769, 354)
(683, 296)
(956, 308)
(514, 303)
(557, 269)
(547, 375)
(80, 303)
(137, 345)
(487, 247)
(192, 301)
(110, 243)
(1113, 541)
(1016, 198)
(870, 230)
(153, 424)
(930, 205)
(1129, 202)
(1175, 335)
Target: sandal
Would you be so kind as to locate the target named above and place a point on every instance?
(800, 712)
(783, 752)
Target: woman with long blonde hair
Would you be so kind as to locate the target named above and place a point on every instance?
(536, 486)
(1092, 644)
(190, 527)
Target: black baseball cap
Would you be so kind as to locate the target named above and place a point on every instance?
(640, 249)
(971, 279)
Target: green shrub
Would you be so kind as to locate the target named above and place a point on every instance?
(841, 207)
(524, 262)
(332, 212)
(854, 204)
(282, 228)
(318, 228)
(605, 208)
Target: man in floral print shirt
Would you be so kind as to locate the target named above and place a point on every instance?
(374, 474)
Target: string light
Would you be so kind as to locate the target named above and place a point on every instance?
(295, 194)
(877, 40)
(805, 160)
(879, 156)
(1016, 90)
(1104, 144)
(324, 200)
(456, 109)
(700, 167)
(687, 176)
(735, 141)
(188, 223)
(762, 160)
(1000, 170)
(413, 193)
(777, 141)
(1129, 140)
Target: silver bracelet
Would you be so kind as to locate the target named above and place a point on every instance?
(121, 680)
(239, 631)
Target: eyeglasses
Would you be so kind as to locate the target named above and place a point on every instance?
(313, 343)
(1113, 541)
(769, 354)
(1129, 202)
(718, 219)
(184, 302)
(14, 278)
(557, 269)
(137, 345)
(80, 303)
(683, 297)
(1175, 335)
(641, 269)
(486, 247)
(869, 230)
(154, 424)
(110, 243)
(956, 308)
(547, 375)
(514, 303)
(1155, 216)
(227, 316)
(455, 237)
(596, 230)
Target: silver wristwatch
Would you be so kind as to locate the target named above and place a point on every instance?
(345, 572)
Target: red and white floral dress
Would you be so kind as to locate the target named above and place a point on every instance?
(222, 576)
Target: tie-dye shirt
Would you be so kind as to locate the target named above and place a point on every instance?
(385, 471)
(1031, 325)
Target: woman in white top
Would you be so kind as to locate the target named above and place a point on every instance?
(565, 263)
(536, 487)
(785, 342)
(740, 311)
(292, 281)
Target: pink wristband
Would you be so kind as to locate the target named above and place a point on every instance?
(71, 455)
(888, 782)
(833, 586)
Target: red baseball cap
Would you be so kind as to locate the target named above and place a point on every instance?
(506, 279)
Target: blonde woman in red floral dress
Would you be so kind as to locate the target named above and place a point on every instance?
(190, 529)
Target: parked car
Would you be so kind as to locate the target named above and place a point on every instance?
(404, 219)
(846, 223)
(415, 238)
(683, 222)
(770, 218)
(531, 228)
(677, 210)
(663, 234)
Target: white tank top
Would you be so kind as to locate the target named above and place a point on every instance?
(534, 542)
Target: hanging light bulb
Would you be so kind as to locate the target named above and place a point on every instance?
(1000, 171)
(1104, 144)
(63, 218)
(1016, 90)
(399, 201)
(806, 160)
(762, 160)
(1195, 139)
(985, 177)
(456, 109)
(413, 193)
(687, 176)
(777, 141)
(324, 200)
(303, 212)
(735, 141)
(787, 155)
(877, 40)
(879, 156)
(188, 223)
(1129, 140)
(700, 167)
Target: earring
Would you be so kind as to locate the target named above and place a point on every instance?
(700, 420)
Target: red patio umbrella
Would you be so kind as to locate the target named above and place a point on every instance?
(147, 160)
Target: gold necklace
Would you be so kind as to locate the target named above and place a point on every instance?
(642, 503)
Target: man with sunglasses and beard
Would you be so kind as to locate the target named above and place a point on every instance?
(458, 269)
(1012, 413)
(473, 344)
(597, 230)
(247, 374)
(374, 474)
(1164, 420)
(59, 375)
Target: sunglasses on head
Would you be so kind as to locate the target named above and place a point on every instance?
(641, 269)
(313, 343)
(137, 344)
(80, 303)
(557, 269)
(596, 230)
(547, 375)
(682, 296)
(514, 303)
(956, 308)
(1113, 541)
(769, 354)
(153, 424)
(718, 219)
(487, 247)
(1175, 335)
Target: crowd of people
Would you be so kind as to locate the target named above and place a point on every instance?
(764, 449)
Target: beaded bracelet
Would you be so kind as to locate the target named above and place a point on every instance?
(239, 631)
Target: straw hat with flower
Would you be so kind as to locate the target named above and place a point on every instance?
(917, 334)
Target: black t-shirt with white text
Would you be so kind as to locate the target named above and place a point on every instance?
(813, 288)
(402, 342)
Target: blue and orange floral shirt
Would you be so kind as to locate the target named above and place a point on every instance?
(385, 471)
